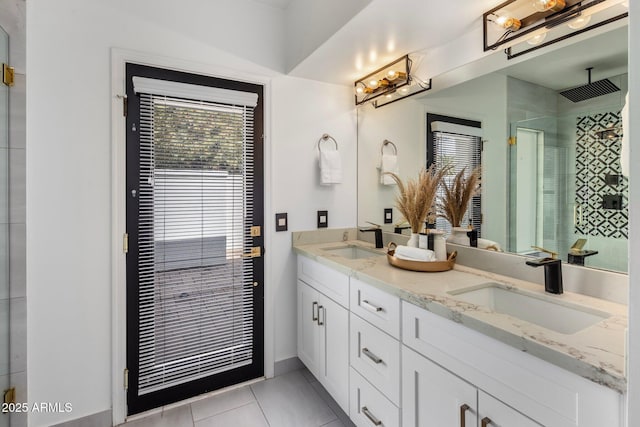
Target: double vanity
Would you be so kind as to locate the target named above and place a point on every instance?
(459, 348)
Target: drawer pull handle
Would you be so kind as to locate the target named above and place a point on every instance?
(314, 311)
(321, 309)
(374, 420)
(371, 356)
(486, 421)
(366, 304)
(463, 409)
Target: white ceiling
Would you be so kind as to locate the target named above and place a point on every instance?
(282, 4)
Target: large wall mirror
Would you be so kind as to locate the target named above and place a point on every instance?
(557, 184)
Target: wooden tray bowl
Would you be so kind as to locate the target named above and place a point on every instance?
(423, 266)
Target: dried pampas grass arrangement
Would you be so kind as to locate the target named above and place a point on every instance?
(416, 197)
(457, 195)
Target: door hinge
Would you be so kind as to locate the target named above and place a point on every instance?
(512, 140)
(256, 231)
(124, 104)
(125, 243)
(126, 378)
(8, 74)
(10, 395)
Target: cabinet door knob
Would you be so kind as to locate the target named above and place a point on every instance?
(463, 409)
(374, 420)
(371, 356)
(486, 421)
(314, 311)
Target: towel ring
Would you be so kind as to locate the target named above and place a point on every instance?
(387, 142)
(327, 137)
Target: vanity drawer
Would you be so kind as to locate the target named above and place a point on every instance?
(328, 281)
(377, 307)
(368, 406)
(376, 356)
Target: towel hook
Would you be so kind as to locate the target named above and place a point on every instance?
(326, 137)
(387, 142)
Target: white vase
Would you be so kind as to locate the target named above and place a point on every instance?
(414, 240)
(459, 236)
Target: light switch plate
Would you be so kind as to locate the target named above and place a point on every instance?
(323, 219)
(388, 215)
(281, 221)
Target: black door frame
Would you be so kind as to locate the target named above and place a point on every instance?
(135, 403)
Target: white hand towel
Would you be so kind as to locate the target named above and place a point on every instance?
(330, 167)
(624, 149)
(414, 254)
(388, 163)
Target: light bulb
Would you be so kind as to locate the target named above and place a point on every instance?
(545, 5)
(359, 89)
(391, 75)
(579, 22)
(508, 23)
(537, 39)
(373, 84)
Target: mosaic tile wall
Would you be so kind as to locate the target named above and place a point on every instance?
(598, 174)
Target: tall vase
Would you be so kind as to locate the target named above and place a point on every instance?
(414, 240)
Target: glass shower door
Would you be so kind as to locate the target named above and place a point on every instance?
(4, 227)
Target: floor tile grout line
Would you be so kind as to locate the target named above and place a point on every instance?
(193, 420)
(259, 405)
(224, 412)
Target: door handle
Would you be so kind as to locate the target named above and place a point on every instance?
(314, 311)
(321, 309)
(486, 421)
(463, 409)
(371, 356)
(372, 418)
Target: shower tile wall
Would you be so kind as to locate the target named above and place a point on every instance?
(595, 159)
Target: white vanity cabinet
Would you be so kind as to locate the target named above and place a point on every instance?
(513, 388)
(433, 396)
(374, 356)
(323, 328)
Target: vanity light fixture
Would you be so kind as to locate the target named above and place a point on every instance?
(539, 23)
(390, 83)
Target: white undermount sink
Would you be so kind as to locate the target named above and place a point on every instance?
(557, 316)
(352, 252)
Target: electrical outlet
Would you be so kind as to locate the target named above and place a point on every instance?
(323, 219)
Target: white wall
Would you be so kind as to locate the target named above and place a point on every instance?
(303, 110)
(69, 172)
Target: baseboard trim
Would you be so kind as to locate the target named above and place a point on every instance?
(287, 365)
(100, 419)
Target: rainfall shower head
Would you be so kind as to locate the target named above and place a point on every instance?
(590, 90)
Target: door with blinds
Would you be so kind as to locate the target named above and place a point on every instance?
(456, 142)
(194, 225)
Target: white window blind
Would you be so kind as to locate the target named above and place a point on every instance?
(460, 151)
(195, 206)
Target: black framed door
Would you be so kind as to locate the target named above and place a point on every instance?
(195, 262)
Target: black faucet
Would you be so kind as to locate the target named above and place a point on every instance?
(552, 273)
(378, 232)
(398, 229)
(473, 237)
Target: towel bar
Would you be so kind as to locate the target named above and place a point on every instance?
(326, 137)
(387, 142)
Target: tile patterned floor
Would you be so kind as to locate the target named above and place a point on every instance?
(295, 399)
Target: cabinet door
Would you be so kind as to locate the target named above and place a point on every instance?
(432, 396)
(494, 413)
(334, 350)
(308, 330)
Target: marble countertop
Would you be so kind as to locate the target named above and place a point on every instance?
(596, 352)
